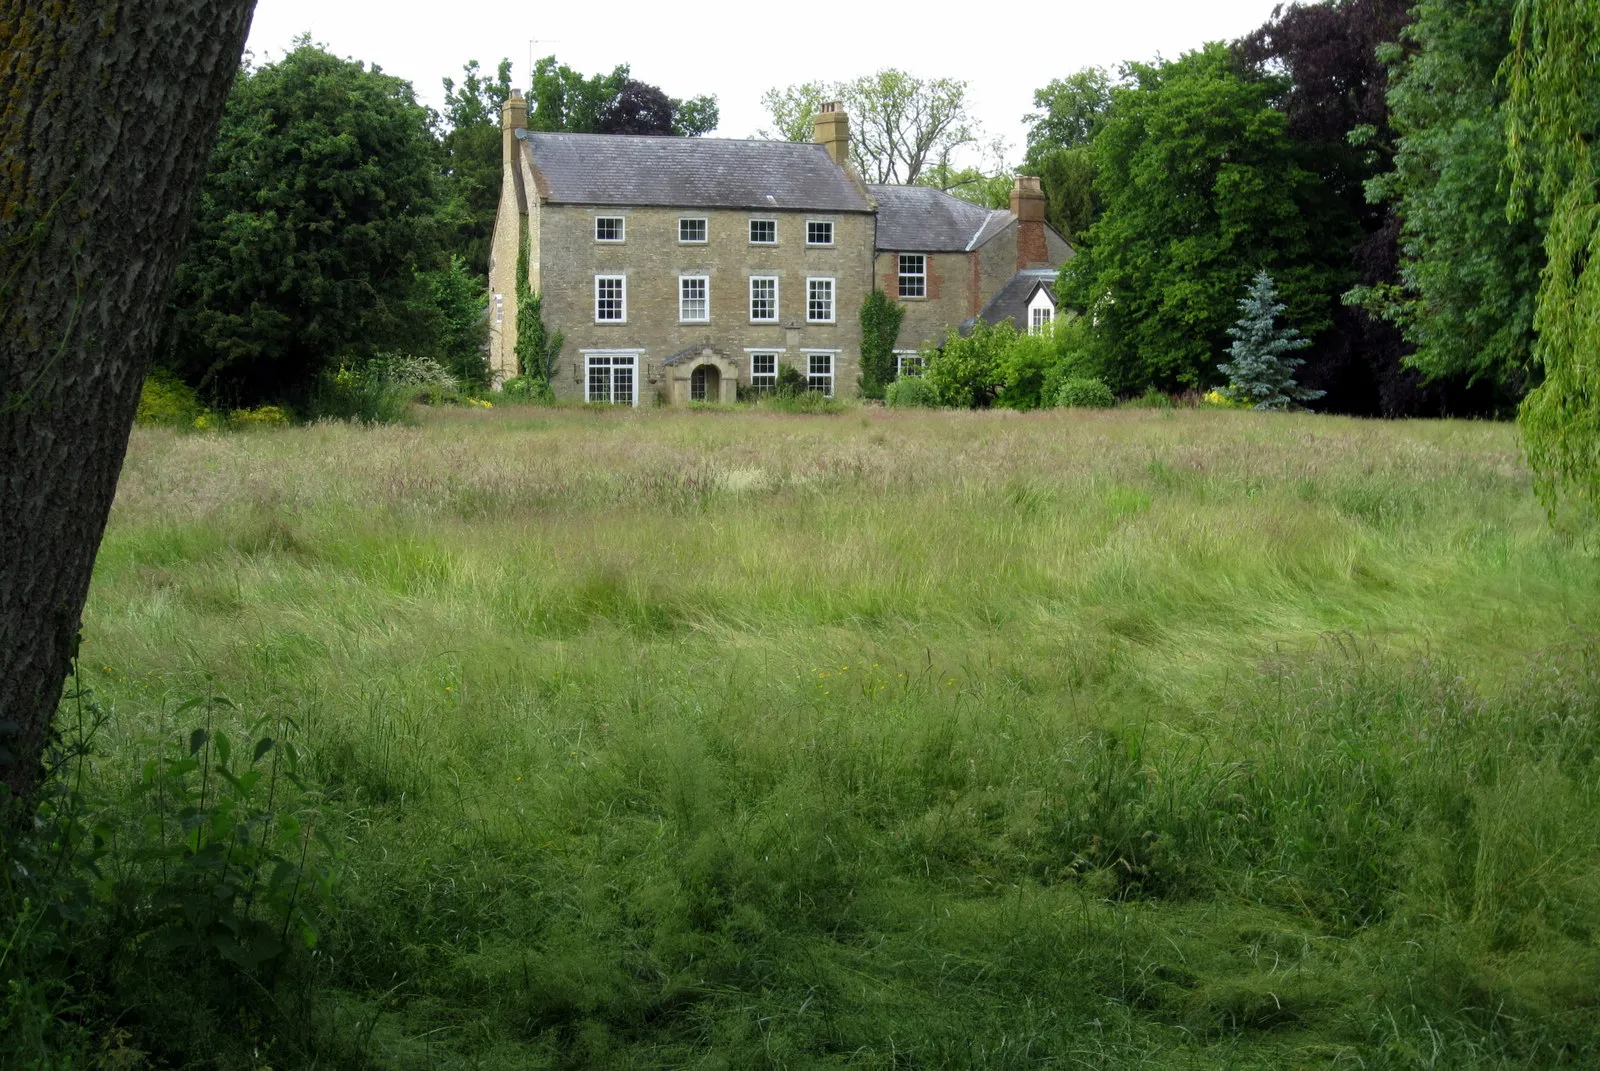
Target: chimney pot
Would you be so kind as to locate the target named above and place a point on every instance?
(514, 112)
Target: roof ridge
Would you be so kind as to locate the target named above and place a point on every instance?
(973, 241)
(687, 140)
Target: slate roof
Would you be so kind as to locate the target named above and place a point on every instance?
(1010, 302)
(922, 219)
(610, 169)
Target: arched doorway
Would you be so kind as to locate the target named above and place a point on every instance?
(705, 384)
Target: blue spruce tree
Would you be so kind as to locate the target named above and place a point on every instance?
(1261, 372)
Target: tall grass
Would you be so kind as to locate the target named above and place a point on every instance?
(1110, 739)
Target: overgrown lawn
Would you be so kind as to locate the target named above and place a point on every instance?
(900, 739)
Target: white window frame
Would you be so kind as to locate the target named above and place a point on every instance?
(776, 356)
(920, 276)
(812, 356)
(751, 298)
(609, 359)
(833, 299)
(828, 223)
(610, 319)
(622, 229)
(1040, 302)
(705, 230)
(704, 279)
(908, 363)
(751, 232)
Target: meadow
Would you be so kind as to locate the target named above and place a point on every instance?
(1167, 739)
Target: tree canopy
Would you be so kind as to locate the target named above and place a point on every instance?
(900, 125)
(561, 99)
(1552, 127)
(1465, 290)
(321, 202)
(1074, 110)
(1201, 189)
(471, 144)
(1334, 97)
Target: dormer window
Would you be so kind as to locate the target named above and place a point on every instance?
(763, 232)
(608, 228)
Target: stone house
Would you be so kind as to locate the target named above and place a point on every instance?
(678, 269)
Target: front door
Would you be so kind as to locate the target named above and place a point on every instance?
(705, 384)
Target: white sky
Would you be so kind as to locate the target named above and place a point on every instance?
(738, 50)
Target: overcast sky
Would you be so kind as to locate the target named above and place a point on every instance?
(738, 50)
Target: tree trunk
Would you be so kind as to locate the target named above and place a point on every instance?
(108, 109)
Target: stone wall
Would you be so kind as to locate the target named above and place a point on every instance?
(652, 258)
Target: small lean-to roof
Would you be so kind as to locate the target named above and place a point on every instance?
(621, 169)
(1011, 301)
(921, 219)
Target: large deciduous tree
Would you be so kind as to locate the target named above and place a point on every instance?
(321, 204)
(1201, 189)
(1073, 109)
(471, 144)
(900, 125)
(1060, 136)
(1338, 119)
(106, 112)
(1465, 288)
(562, 99)
(1552, 130)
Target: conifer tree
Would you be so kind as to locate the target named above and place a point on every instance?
(1262, 372)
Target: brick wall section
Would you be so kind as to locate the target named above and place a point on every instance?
(1032, 252)
(652, 259)
(949, 295)
(1027, 204)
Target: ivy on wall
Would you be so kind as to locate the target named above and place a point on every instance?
(537, 347)
(880, 326)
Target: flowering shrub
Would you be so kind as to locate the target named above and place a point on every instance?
(262, 416)
(405, 370)
(167, 402)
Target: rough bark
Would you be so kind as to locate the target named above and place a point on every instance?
(108, 109)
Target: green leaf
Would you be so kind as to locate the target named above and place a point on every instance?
(264, 745)
(197, 740)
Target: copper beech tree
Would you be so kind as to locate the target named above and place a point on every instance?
(108, 109)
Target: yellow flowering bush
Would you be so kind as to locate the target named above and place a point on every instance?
(262, 416)
(166, 402)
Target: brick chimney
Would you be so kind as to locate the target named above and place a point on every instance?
(513, 117)
(831, 129)
(1027, 204)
